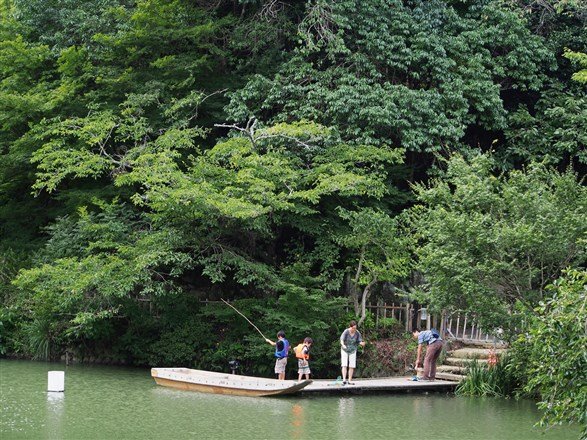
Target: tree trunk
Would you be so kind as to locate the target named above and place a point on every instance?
(365, 297)
(352, 290)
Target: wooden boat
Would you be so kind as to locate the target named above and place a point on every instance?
(223, 383)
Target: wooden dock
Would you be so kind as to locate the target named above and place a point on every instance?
(383, 384)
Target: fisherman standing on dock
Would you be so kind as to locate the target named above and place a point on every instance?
(433, 350)
(349, 342)
(281, 352)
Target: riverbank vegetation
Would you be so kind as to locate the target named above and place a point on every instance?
(299, 158)
(556, 331)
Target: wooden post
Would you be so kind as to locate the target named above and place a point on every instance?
(408, 320)
(464, 327)
(442, 324)
(458, 323)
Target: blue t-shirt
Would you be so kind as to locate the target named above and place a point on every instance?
(428, 336)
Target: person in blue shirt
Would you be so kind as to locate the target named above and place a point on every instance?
(434, 346)
(281, 351)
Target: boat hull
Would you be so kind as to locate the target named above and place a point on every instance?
(220, 383)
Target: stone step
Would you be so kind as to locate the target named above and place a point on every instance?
(450, 376)
(475, 353)
(463, 362)
(451, 369)
(481, 344)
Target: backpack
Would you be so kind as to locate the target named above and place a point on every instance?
(299, 351)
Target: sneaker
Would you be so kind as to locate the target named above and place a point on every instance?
(344, 382)
(415, 379)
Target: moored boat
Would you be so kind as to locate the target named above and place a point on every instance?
(223, 383)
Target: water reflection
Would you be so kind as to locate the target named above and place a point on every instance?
(55, 401)
(423, 408)
(297, 422)
(346, 415)
(55, 412)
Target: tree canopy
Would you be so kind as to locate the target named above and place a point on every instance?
(298, 157)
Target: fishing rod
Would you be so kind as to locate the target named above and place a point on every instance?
(236, 310)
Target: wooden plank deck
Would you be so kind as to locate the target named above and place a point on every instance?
(383, 384)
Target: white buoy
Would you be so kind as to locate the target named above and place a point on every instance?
(56, 381)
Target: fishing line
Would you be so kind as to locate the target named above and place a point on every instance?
(236, 310)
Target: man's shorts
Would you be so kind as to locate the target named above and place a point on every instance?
(280, 365)
(347, 359)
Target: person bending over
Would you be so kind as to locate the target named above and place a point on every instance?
(434, 346)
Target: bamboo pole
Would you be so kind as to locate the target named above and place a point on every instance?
(235, 309)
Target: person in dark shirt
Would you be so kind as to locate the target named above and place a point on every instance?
(349, 341)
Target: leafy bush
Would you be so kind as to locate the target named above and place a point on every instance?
(181, 345)
(388, 357)
(8, 318)
(389, 328)
(556, 359)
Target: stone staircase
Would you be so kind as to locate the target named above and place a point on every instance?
(462, 353)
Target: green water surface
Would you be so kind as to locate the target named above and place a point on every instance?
(103, 402)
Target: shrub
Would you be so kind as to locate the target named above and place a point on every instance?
(388, 357)
(498, 380)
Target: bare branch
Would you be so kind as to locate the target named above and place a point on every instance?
(195, 115)
(271, 10)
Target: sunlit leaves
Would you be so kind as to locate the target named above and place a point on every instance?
(581, 60)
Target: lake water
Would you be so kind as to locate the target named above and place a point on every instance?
(103, 402)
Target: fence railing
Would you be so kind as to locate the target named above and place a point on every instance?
(458, 326)
(464, 327)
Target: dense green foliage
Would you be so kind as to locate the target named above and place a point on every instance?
(298, 157)
(491, 244)
(559, 331)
